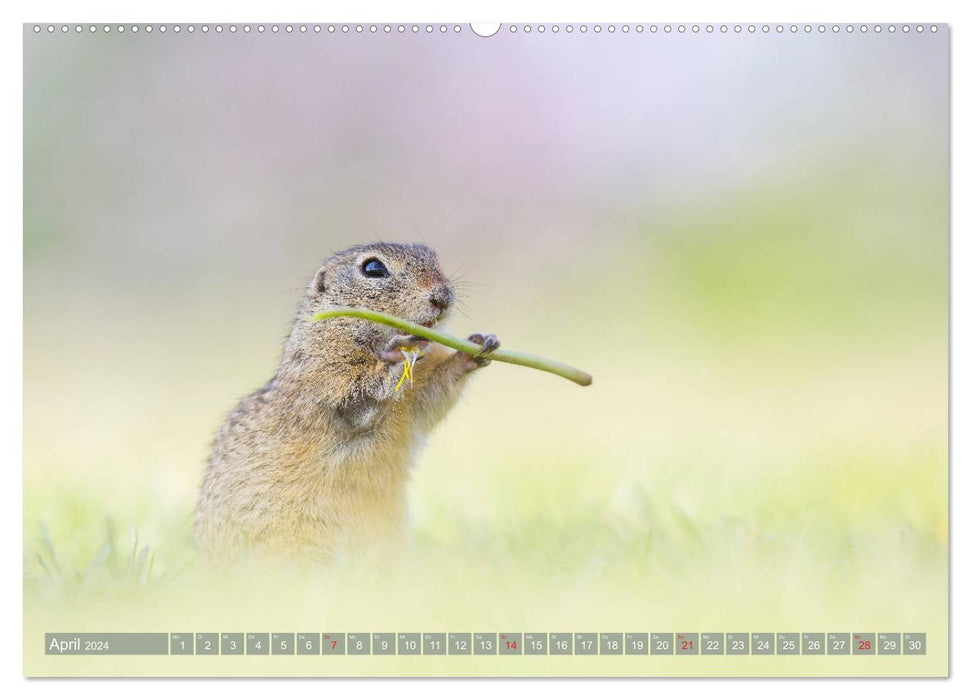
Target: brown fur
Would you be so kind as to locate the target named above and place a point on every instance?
(316, 461)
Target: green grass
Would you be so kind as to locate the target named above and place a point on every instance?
(683, 513)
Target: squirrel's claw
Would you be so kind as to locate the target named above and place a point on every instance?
(391, 352)
(489, 343)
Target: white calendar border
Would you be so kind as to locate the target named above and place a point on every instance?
(11, 303)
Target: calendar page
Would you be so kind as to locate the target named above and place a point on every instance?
(543, 349)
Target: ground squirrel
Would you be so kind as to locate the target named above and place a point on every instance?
(316, 461)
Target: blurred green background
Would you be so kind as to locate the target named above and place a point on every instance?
(743, 238)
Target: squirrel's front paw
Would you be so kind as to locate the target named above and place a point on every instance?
(392, 351)
(489, 343)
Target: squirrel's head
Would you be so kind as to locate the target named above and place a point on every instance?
(404, 280)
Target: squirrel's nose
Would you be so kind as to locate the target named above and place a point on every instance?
(442, 298)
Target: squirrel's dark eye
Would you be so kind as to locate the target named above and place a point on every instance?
(372, 267)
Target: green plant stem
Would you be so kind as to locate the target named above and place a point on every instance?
(466, 346)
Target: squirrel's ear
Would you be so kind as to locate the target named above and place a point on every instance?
(318, 284)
